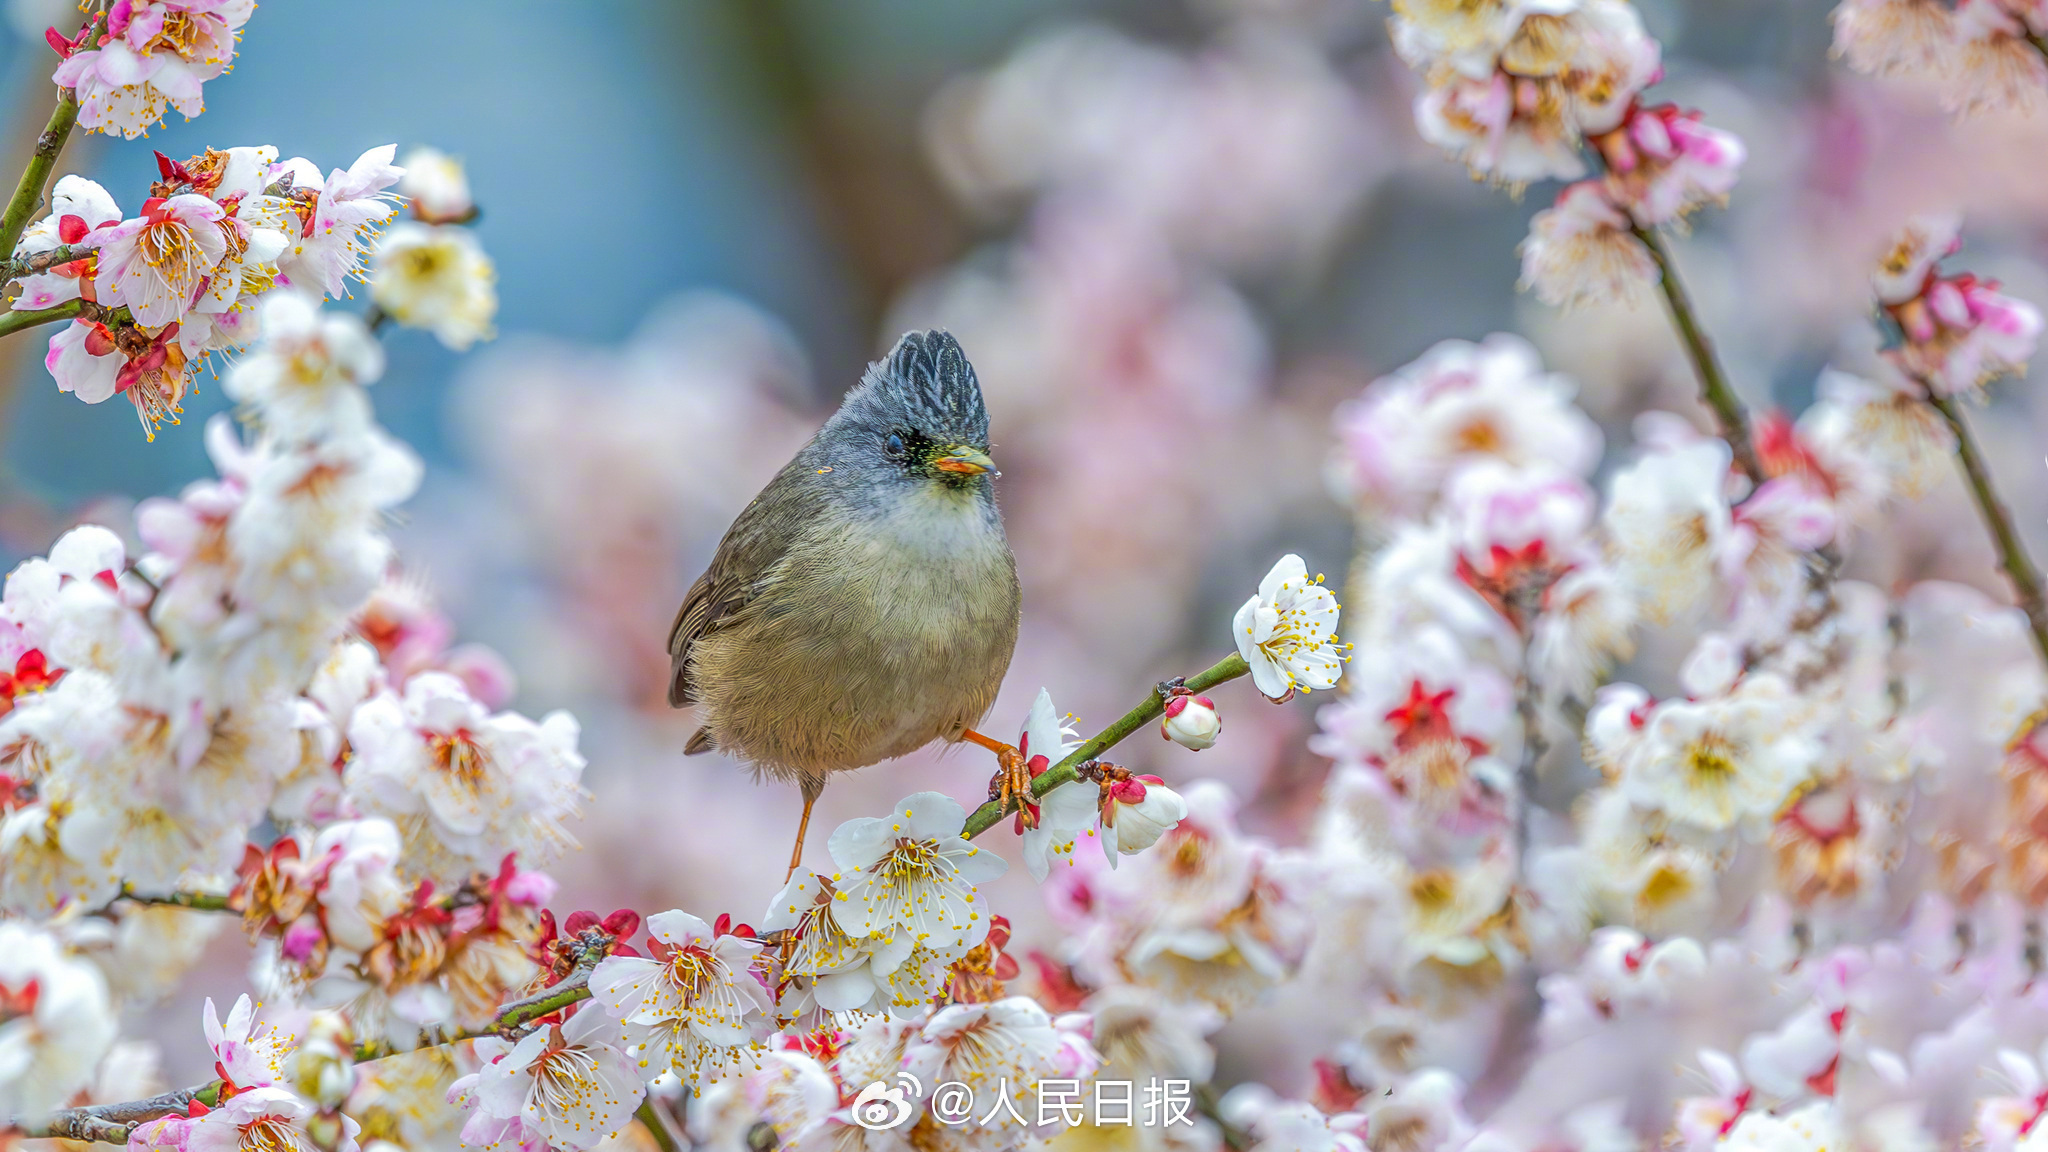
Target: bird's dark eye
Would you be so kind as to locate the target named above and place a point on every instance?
(895, 445)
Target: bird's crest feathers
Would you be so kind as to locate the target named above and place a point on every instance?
(928, 376)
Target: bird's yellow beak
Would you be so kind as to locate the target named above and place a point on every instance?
(966, 461)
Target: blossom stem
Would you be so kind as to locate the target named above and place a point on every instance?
(12, 322)
(656, 1127)
(28, 191)
(989, 814)
(197, 901)
(509, 1017)
(1534, 746)
(19, 266)
(2005, 537)
(1714, 388)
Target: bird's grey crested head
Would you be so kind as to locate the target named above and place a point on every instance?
(927, 381)
(918, 411)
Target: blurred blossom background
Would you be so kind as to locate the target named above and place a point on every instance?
(1174, 236)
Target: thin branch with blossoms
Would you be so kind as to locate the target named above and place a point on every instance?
(116, 1123)
(2019, 568)
(1699, 348)
(1067, 769)
(1950, 336)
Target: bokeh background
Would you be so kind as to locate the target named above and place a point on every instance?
(1174, 235)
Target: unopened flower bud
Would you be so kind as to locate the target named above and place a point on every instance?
(1139, 810)
(1191, 722)
(436, 185)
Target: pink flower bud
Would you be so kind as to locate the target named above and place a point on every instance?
(301, 940)
(1143, 810)
(1191, 722)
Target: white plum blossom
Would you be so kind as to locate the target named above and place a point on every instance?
(154, 55)
(77, 208)
(1812, 1128)
(437, 277)
(1139, 811)
(695, 979)
(330, 244)
(1013, 1040)
(56, 1021)
(156, 262)
(1066, 814)
(461, 784)
(833, 969)
(1537, 510)
(910, 880)
(1457, 404)
(790, 1094)
(307, 374)
(247, 1054)
(1669, 519)
(1665, 163)
(568, 1085)
(1716, 763)
(1582, 251)
(1904, 269)
(1287, 632)
(263, 1120)
(436, 185)
(356, 865)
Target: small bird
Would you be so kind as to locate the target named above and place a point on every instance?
(866, 602)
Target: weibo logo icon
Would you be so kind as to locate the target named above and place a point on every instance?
(880, 1106)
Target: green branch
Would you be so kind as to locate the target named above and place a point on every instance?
(12, 322)
(651, 1120)
(1714, 388)
(28, 191)
(2005, 537)
(510, 1016)
(197, 901)
(991, 813)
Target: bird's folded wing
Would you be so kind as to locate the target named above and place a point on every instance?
(746, 558)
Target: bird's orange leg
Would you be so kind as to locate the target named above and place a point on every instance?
(803, 826)
(1012, 781)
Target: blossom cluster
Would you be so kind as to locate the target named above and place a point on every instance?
(1643, 826)
(240, 704)
(1524, 92)
(1981, 55)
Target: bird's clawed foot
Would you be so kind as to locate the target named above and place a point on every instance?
(1011, 785)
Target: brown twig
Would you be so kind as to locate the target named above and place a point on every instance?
(34, 262)
(2005, 537)
(1714, 387)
